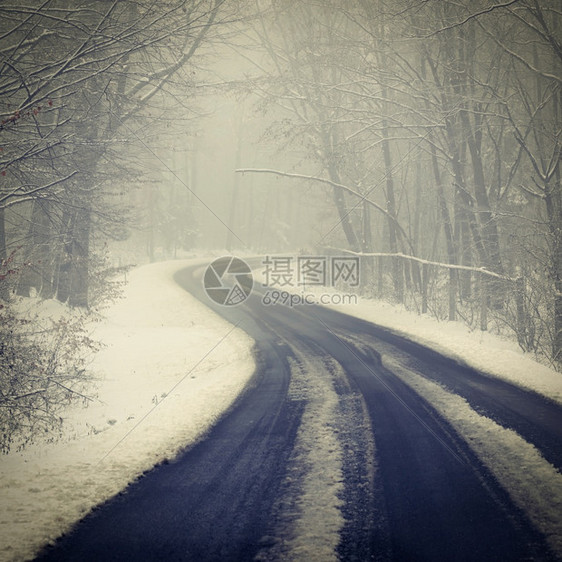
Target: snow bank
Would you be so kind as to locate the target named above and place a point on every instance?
(483, 351)
(168, 370)
(308, 516)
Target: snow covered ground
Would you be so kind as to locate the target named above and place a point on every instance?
(169, 369)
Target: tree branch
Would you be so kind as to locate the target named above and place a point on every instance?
(331, 183)
(482, 270)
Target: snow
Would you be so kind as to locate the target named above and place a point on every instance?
(168, 371)
(309, 517)
(170, 368)
(484, 351)
(534, 485)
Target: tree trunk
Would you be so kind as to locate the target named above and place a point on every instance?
(425, 283)
(63, 274)
(338, 195)
(557, 343)
(3, 249)
(4, 285)
(449, 236)
(73, 271)
(397, 266)
(367, 234)
(38, 271)
(231, 227)
(553, 199)
(367, 263)
(557, 251)
(521, 318)
(343, 214)
(80, 259)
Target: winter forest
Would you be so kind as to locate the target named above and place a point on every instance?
(423, 135)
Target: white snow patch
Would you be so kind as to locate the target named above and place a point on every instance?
(320, 522)
(310, 519)
(483, 351)
(169, 369)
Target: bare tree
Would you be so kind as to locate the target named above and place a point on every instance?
(77, 83)
(78, 78)
(446, 115)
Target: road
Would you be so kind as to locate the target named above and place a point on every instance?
(406, 485)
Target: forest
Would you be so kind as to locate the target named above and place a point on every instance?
(424, 136)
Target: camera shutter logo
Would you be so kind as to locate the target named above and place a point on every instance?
(228, 281)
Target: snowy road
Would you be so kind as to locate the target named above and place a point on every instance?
(345, 446)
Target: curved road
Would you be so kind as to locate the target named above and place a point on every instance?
(408, 486)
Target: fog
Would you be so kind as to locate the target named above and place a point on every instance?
(235, 211)
(423, 136)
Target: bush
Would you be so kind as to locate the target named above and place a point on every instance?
(42, 371)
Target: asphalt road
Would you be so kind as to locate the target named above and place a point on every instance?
(419, 494)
